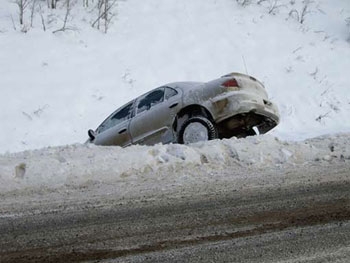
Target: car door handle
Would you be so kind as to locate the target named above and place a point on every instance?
(174, 105)
(122, 131)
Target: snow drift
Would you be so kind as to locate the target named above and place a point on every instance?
(83, 165)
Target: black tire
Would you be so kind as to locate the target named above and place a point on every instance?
(212, 132)
(250, 132)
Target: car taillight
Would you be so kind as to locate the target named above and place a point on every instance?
(230, 83)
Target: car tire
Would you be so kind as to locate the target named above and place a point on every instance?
(195, 129)
(250, 132)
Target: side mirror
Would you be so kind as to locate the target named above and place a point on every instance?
(91, 134)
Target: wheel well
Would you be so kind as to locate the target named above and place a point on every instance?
(189, 111)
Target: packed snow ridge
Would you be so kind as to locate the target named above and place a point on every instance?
(82, 165)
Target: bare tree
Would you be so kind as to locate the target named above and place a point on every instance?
(300, 16)
(42, 19)
(304, 11)
(104, 14)
(243, 2)
(100, 13)
(22, 5)
(274, 6)
(85, 3)
(68, 9)
(53, 4)
(29, 9)
(32, 12)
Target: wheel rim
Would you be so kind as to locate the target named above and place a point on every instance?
(195, 132)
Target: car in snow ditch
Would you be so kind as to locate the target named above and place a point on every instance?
(188, 112)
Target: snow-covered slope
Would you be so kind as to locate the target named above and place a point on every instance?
(54, 86)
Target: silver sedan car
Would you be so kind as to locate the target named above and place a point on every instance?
(187, 112)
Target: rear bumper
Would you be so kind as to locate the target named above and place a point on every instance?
(242, 111)
(269, 111)
(227, 106)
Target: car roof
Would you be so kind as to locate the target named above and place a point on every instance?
(184, 85)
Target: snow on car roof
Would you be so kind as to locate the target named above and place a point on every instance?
(185, 84)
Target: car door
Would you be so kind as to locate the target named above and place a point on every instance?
(155, 112)
(115, 129)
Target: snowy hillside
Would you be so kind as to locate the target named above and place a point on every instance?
(55, 86)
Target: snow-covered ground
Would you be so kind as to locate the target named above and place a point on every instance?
(54, 86)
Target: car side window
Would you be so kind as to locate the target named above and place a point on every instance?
(117, 117)
(150, 99)
(169, 92)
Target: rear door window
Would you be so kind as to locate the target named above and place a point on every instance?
(169, 92)
(117, 117)
(149, 100)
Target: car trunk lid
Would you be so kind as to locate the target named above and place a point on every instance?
(246, 83)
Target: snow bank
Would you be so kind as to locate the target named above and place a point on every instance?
(82, 165)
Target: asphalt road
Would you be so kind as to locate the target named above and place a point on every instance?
(303, 220)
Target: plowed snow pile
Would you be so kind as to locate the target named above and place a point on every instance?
(83, 165)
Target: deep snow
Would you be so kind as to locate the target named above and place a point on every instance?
(56, 86)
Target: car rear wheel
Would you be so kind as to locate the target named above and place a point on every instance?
(197, 129)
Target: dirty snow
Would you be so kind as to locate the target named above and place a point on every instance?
(83, 165)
